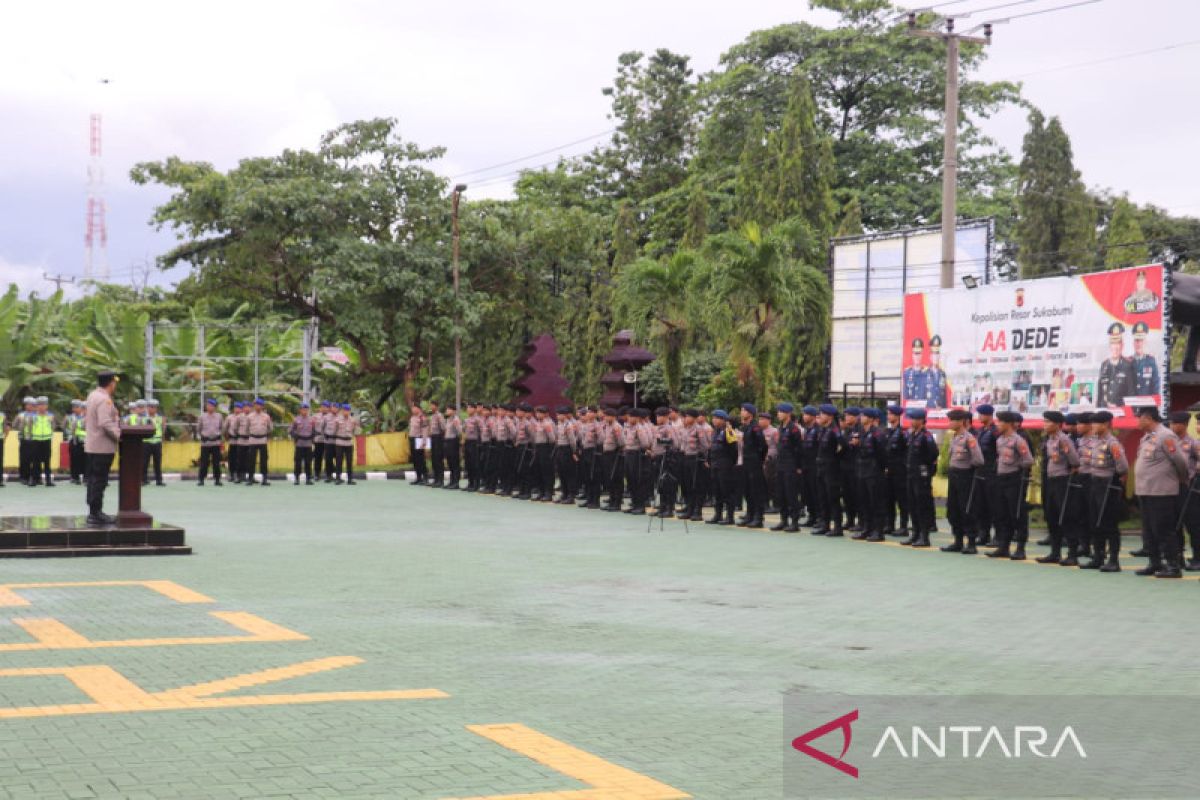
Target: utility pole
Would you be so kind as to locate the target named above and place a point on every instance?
(950, 150)
(58, 280)
(458, 190)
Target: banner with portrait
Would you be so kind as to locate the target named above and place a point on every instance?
(1070, 344)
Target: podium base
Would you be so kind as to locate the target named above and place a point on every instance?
(60, 536)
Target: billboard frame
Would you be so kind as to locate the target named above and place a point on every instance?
(869, 377)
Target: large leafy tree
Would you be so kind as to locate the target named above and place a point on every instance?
(353, 234)
(755, 295)
(1056, 219)
(878, 93)
(652, 296)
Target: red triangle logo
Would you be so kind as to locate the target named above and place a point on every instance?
(801, 743)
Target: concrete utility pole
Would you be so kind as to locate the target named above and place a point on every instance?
(458, 190)
(58, 280)
(950, 151)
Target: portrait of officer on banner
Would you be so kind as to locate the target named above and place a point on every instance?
(1143, 300)
(937, 388)
(1116, 373)
(1145, 366)
(916, 376)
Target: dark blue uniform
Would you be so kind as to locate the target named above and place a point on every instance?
(985, 499)
(787, 481)
(809, 479)
(922, 461)
(870, 471)
(897, 478)
(831, 448)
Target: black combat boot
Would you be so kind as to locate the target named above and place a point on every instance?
(957, 547)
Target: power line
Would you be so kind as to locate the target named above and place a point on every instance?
(1036, 13)
(1094, 62)
(533, 155)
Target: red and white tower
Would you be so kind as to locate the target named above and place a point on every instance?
(95, 238)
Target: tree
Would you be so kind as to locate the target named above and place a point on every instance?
(1055, 217)
(624, 236)
(878, 93)
(697, 217)
(755, 294)
(30, 346)
(652, 105)
(803, 166)
(851, 222)
(754, 171)
(353, 234)
(1124, 242)
(653, 297)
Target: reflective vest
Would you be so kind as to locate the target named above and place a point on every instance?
(42, 428)
(157, 422)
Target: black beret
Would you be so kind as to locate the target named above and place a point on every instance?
(691, 412)
(1151, 412)
(1054, 416)
(958, 414)
(1181, 416)
(1085, 418)
(1008, 416)
(1103, 417)
(662, 411)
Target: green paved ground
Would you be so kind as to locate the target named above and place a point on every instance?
(663, 653)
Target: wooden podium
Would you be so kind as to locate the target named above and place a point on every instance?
(129, 513)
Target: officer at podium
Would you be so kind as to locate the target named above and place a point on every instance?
(102, 422)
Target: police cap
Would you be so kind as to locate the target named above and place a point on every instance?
(915, 413)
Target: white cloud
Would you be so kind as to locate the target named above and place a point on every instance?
(31, 279)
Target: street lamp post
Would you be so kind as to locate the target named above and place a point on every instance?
(458, 190)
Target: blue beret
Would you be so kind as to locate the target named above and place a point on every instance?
(238, 404)
(720, 414)
(828, 408)
(325, 404)
(304, 405)
(212, 401)
(258, 401)
(1070, 419)
(872, 413)
(895, 409)
(855, 410)
(749, 407)
(786, 408)
(985, 408)
(915, 413)
(811, 410)
(345, 406)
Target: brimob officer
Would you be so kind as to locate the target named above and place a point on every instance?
(897, 476)
(1161, 469)
(869, 473)
(831, 449)
(722, 455)
(922, 453)
(985, 500)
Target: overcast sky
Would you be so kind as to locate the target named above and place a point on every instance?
(492, 82)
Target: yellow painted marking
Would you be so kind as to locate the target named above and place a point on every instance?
(606, 781)
(54, 635)
(268, 676)
(113, 693)
(169, 589)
